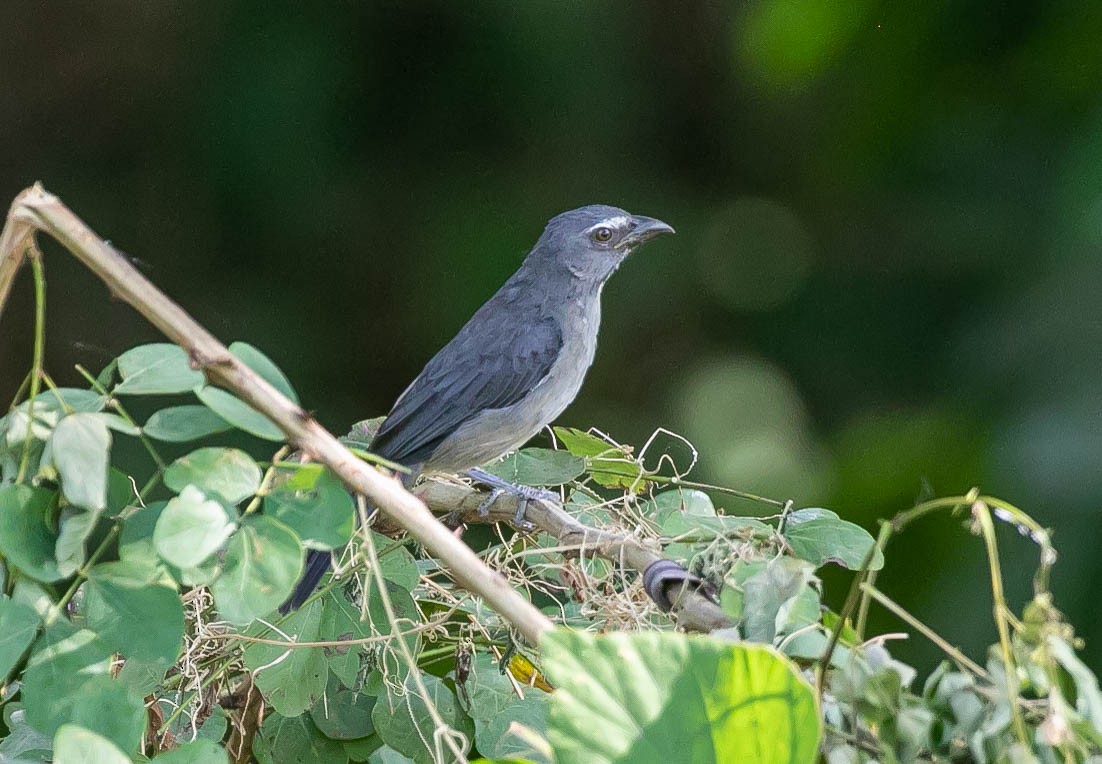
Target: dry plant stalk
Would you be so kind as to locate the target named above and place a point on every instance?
(36, 210)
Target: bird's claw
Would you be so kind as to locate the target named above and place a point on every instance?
(491, 497)
(524, 494)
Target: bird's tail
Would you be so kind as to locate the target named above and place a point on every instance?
(317, 563)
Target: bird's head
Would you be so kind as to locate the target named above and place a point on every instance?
(591, 242)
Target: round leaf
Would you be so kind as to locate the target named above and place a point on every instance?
(198, 752)
(26, 540)
(67, 680)
(538, 466)
(156, 369)
(404, 723)
(293, 684)
(18, 627)
(226, 472)
(80, 447)
(76, 745)
(263, 366)
(295, 741)
(118, 596)
(191, 528)
(824, 539)
(262, 563)
(322, 515)
(238, 413)
(179, 424)
(345, 714)
(669, 697)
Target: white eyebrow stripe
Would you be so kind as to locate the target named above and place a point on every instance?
(620, 221)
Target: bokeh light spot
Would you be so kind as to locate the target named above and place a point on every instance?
(750, 425)
(755, 256)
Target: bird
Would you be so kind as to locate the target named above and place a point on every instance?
(514, 366)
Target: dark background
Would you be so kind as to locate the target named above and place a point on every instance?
(884, 286)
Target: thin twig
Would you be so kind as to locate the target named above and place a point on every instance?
(982, 514)
(962, 660)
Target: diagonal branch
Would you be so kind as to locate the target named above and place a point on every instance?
(36, 210)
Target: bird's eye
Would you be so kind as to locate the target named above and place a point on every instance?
(602, 235)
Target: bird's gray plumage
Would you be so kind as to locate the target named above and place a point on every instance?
(522, 357)
(517, 363)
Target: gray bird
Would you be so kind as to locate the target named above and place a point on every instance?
(516, 364)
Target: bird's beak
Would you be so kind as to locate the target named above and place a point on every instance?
(645, 229)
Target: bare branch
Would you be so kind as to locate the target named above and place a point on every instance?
(694, 611)
(37, 209)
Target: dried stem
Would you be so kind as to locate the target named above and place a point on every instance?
(35, 209)
(694, 611)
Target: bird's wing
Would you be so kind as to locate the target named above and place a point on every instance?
(470, 374)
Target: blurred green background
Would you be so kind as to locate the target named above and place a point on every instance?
(884, 287)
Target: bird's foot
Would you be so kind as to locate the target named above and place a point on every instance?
(499, 487)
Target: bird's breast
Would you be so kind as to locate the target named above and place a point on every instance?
(494, 432)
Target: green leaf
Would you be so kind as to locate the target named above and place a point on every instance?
(323, 514)
(76, 745)
(80, 448)
(198, 752)
(23, 741)
(263, 366)
(120, 595)
(160, 368)
(144, 677)
(581, 443)
(191, 528)
(819, 538)
(655, 696)
(212, 730)
(76, 525)
(396, 562)
(66, 400)
(136, 538)
(67, 681)
(678, 524)
(404, 723)
(608, 465)
(18, 627)
(228, 473)
(118, 424)
(538, 467)
(238, 413)
(387, 755)
(180, 424)
(341, 621)
(295, 741)
(345, 714)
(1087, 695)
(494, 707)
(26, 540)
(262, 563)
(770, 594)
(682, 501)
(291, 683)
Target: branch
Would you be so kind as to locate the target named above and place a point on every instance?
(35, 209)
(694, 611)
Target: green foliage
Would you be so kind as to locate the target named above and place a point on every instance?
(665, 697)
(124, 585)
(262, 562)
(180, 424)
(26, 539)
